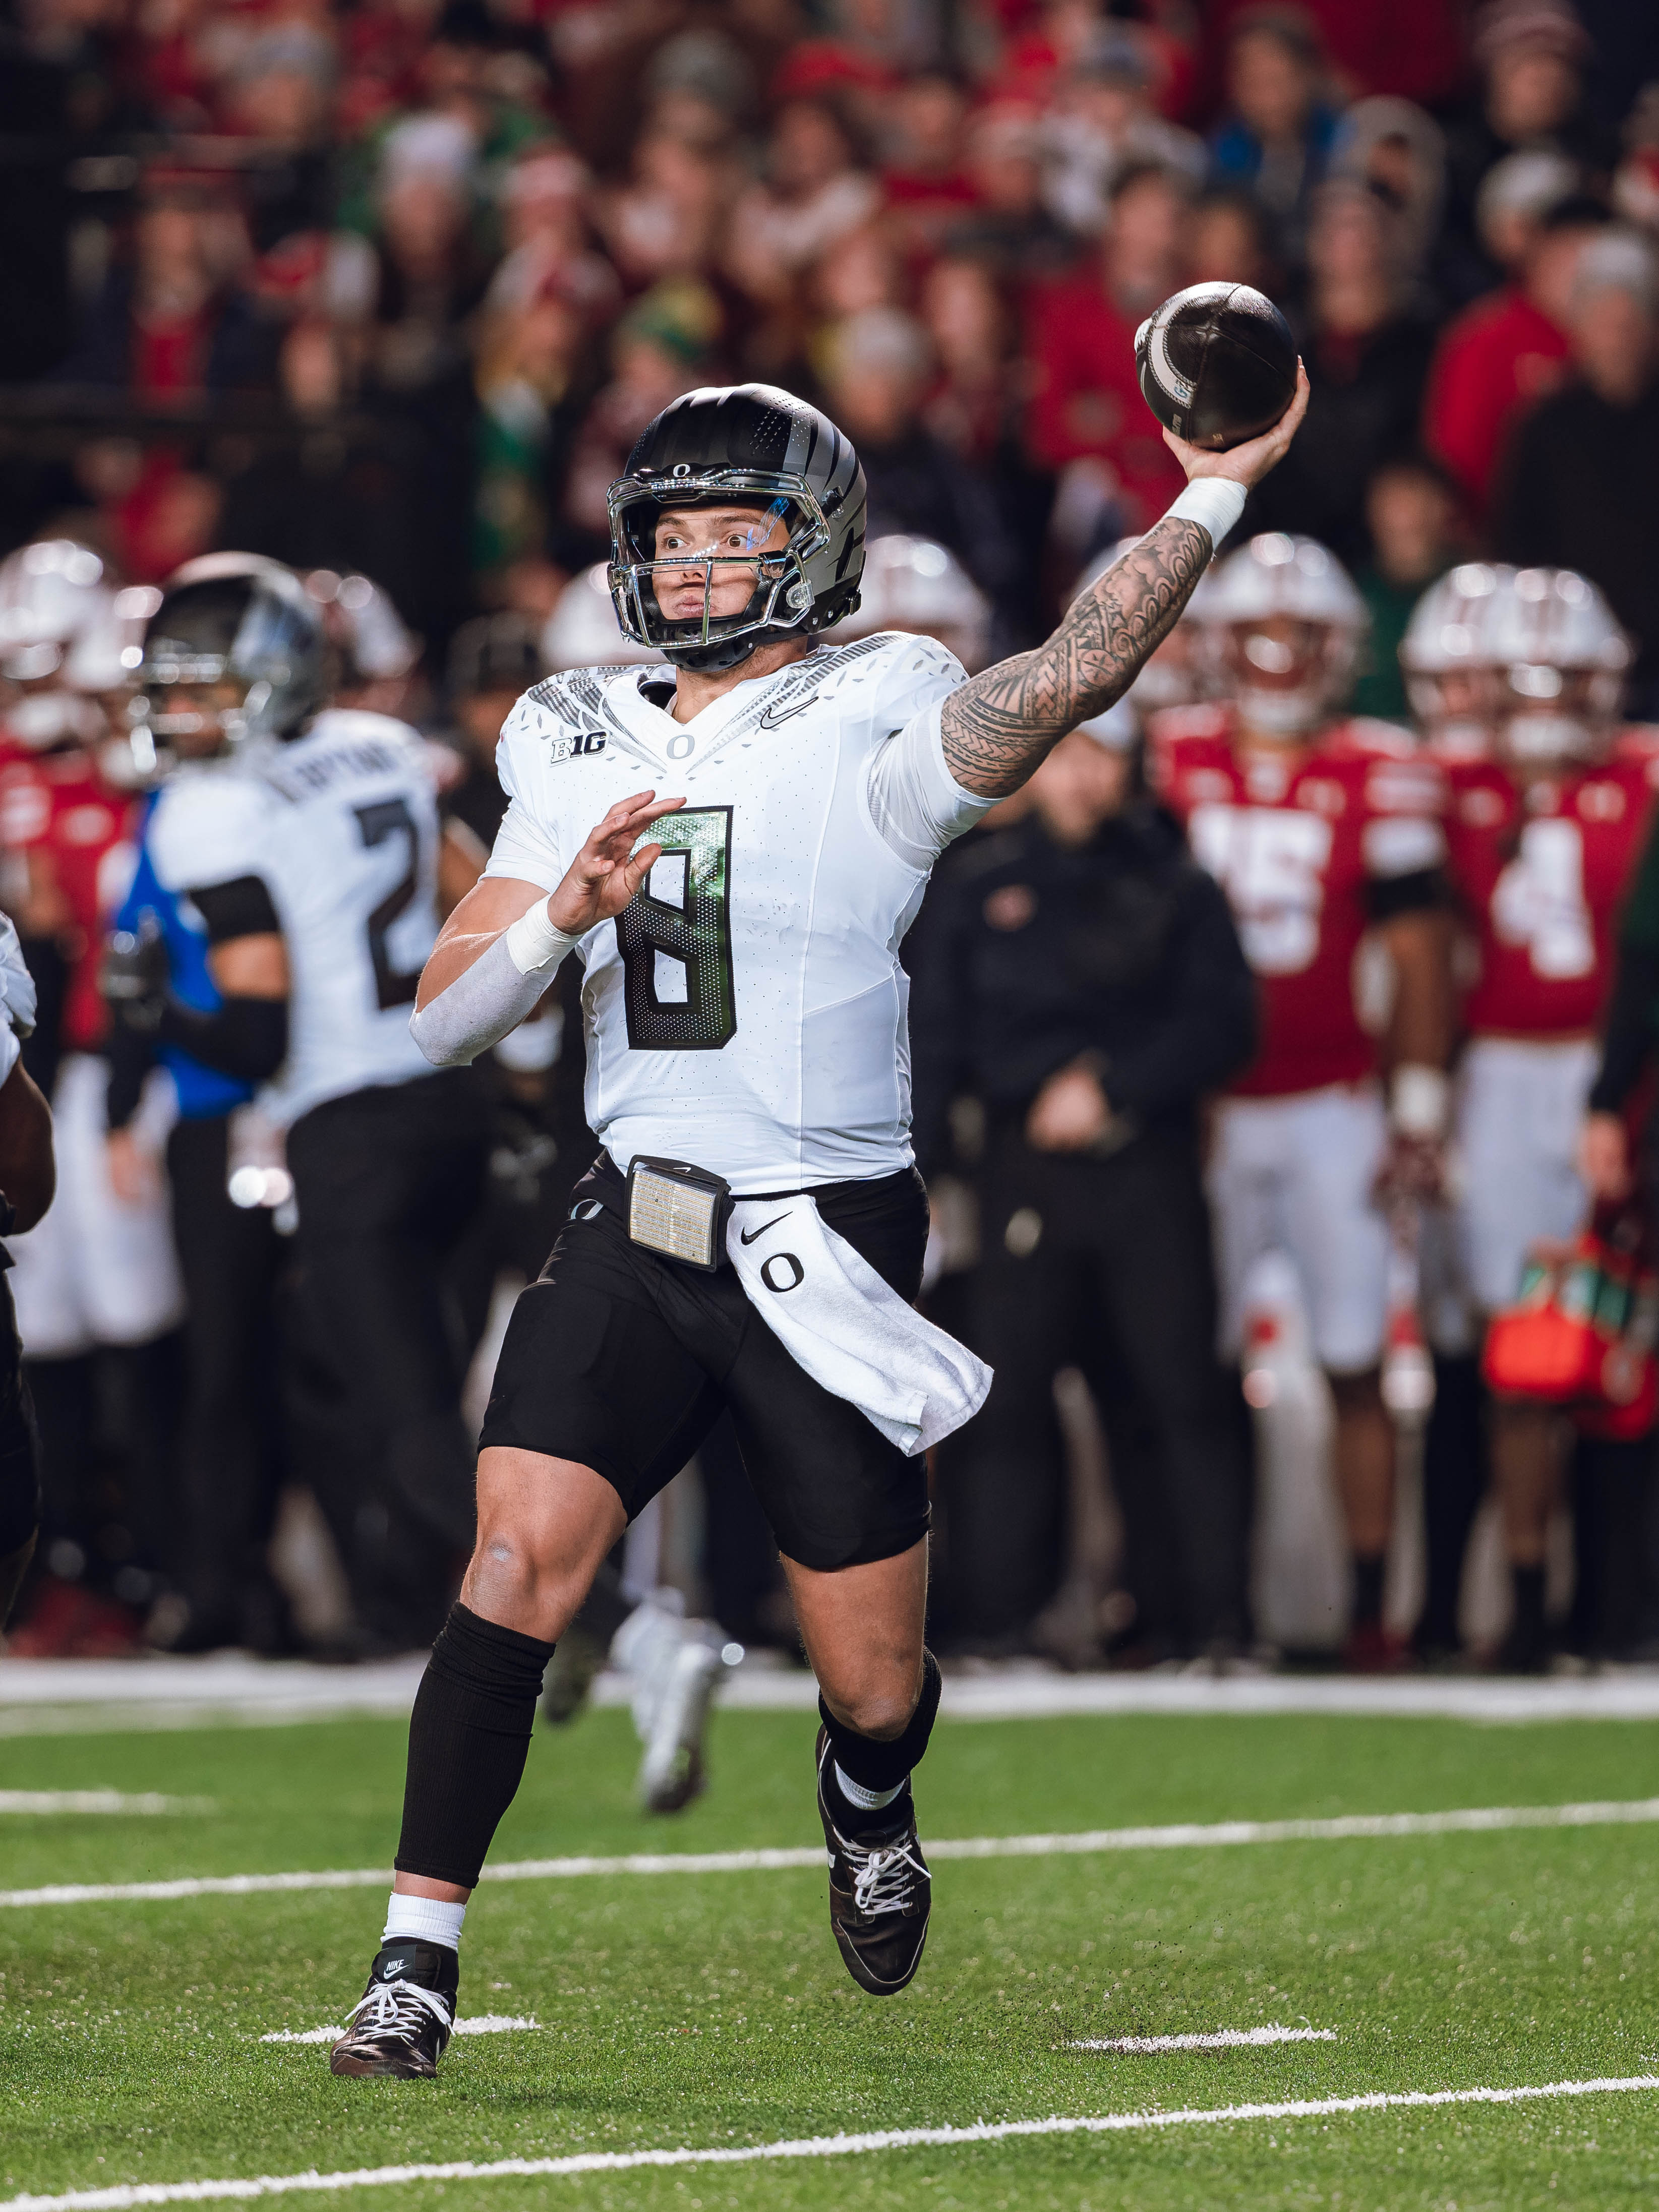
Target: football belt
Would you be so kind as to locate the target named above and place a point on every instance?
(678, 1211)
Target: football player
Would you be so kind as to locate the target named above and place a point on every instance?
(1544, 840)
(26, 1182)
(1326, 834)
(306, 838)
(736, 844)
(96, 1285)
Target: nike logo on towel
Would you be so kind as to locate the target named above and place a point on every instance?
(748, 1236)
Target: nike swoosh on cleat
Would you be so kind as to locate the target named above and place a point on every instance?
(748, 1236)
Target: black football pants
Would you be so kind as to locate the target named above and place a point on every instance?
(387, 1181)
(1120, 1283)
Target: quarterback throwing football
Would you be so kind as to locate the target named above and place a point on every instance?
(734, 845)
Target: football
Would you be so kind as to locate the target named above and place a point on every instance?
(1217, 364)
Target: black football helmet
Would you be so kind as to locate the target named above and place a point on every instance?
(740, 445)
(240, 617)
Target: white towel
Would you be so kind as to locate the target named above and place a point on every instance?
(836, 1318)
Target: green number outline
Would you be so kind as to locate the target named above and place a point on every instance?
(698, 935)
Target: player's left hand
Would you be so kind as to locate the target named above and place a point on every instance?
(1070, 1114)
(1413, 1169)
(1249, 463)
(134, 1173)
(1604, 1156)
(607, 872)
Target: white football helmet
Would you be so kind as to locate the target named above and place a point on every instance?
(1450, 661)
(1284, 627)
(1561, 659)
(583, 632)
(912, 583)
(1177, 674)
(52, 593)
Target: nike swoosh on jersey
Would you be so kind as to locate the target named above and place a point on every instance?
(771, 715)
(748, 1236)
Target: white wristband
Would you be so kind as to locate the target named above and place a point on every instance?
(533, 946)
(1421, 1102)
(1215, 503)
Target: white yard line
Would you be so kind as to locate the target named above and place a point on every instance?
(1223, 2039)
(124, 2196)
(51, 1696)
(98, 1800)
(483, 2023)
(1187, 1835)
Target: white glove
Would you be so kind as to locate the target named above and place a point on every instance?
(16, 984)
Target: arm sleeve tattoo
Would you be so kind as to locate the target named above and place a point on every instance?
(997, 728)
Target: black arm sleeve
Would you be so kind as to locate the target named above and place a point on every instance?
(131, 1054)
(1209, 1031)
(242, 907)
(1630, 1028)
(246, 1037)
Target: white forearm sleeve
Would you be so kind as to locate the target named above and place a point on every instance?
(492, 996)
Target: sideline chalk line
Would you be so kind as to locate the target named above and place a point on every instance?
(125, 2197)
(1185, 1835)
(483, 2023)
(1222, 2038)
(142, 1801)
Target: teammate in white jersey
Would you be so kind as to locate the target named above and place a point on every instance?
(745, 1015)
(306, 839)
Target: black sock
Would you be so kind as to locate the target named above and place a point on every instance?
(1527, 1624)
(875, 1765)
(1368, 1575)
(468, 1737)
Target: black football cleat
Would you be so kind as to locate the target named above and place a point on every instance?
(401, 2025)
(880, 1894)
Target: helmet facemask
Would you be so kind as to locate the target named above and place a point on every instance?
(710, 622)
(1556, 717)
(1284, 674)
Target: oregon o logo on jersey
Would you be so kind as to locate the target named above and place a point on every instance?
(675, 939)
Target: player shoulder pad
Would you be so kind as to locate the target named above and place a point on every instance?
(358, 725)
(1413, 786)
(1207, 722)
(562, 717)
(209, 826)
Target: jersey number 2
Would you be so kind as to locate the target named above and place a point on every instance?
(675, 939)
(388, 818)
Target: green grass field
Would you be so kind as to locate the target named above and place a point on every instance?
(711, 2009)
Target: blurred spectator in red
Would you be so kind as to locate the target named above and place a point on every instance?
(1009, 225)
(1228, 241)
(1087, 405)
(667, 221)
(168, 325)
(545, 227)
(1530, 54)
(976, 409)
(280, 93)
(1275, 136)
(1367, 350)
(1578, 479)
(1102, 120)
(1508, 351)
(1414, 520)
(877, 367)
(924, 175)
(432, 275)
(1636, 186)
(1411, 48)
(667, 343)
(812, 194)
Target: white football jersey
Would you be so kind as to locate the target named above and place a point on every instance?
(342, 825)
(747, 1011)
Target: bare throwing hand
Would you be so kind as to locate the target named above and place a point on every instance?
(1249, 463)
(607, 872)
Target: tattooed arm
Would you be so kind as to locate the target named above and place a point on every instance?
(997, 728)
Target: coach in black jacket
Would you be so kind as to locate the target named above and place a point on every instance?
(1079, 976)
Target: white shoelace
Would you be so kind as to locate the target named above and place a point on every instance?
(883, 1883)
(394, 2009)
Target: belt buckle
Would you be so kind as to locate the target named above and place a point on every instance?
(678, 1211)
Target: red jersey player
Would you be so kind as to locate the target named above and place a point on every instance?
(1326, 834)
(1544, 839)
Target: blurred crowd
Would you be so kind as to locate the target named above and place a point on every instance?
(386, 292)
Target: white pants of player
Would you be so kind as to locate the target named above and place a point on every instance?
(1294, 1175)
(97, 1270)
(1519, 1111)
